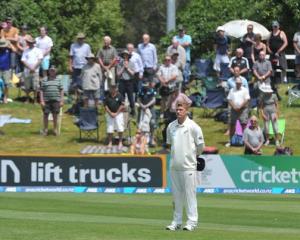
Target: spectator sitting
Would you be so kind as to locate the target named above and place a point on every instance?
(139, 145)
(231, 81)
(253, 138)
(114, 107)
(52, 99)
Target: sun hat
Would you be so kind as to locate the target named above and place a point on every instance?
(4, 43)
(266, 88)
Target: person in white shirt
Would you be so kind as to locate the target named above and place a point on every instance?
(45, 44)
(31, 58)
(238, 99)
(186, 140)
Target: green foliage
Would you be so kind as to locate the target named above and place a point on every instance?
(65, 18)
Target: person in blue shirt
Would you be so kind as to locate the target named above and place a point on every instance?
(185, 41)
(5, 73)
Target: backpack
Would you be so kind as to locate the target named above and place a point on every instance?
(237, 140)
(222, 116)
(283, 151)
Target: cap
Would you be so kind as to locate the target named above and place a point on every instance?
(4, 43)
(266, 88)
(24, 27)
(52, 67)
(174, 52)
(180, 27)
(80, 35)
(220, 28)
(275, 24)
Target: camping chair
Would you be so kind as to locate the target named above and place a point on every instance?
(281, 129)
(203, 68)
(88, 124)
(224, 72)
(214, 99)
(293, 94)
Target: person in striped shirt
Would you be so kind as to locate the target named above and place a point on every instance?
(51, 99)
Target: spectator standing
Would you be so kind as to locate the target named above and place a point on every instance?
(269, 109)
(31, 58)
(241, 62)
(11, 33)
(91, 76)
(77, 59)
(257, 47)
(276, 46)
(45, 43)
(138, 67)
(262, 69)
(107, 56)
(5, 73)
(176, 47)
(52, 99)
(167, 75)
(247, 44)
(253, 137)
(22, 45)
(148, 54)
(296, 44)
(147, 115)
(238, 99)
(185, 41)
(221, 47)
(186, 140)
(114, 107)
(175, 61)
(125, 73)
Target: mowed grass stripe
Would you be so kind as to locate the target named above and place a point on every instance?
(100, 219)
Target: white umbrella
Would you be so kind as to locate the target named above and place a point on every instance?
(238, 28)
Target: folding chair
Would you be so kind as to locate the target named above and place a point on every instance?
(293, 94)
(281, 129)
(224, 72)
(88, 124)
(214, 99)
(203, 68)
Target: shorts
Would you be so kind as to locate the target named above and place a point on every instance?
(31, 82)
(242, 116)
(220, 59)
(76, 79)
(116, 123)
(45, 64)
(91, 94)
(51, 107)
(6, 77)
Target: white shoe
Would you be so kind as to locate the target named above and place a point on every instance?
(227, 145)
(173, 227)
(267, 143)
(277, 143)
(189, 227)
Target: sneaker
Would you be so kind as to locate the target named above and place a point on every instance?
(173, 227)
(277, 143)
(227, 144)
(189, 228)
(267, 143)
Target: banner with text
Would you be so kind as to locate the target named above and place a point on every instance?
(250, 172)
(106, 171)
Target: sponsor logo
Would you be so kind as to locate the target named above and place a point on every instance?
(270, 176)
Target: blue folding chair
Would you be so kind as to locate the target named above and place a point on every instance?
(88, 124)
(214, 99)
(224, 72)
(204, 67)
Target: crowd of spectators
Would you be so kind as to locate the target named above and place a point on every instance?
(135, 76)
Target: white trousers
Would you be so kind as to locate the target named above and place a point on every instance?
(184, 185)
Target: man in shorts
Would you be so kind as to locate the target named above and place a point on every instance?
(114, 106)
(52, 99)
(31, 58)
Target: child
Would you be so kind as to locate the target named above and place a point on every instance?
(52, 99)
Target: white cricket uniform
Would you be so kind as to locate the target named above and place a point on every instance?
(186, 143)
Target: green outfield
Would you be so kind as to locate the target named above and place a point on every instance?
(73, 216)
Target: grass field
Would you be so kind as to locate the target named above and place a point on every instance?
(36, 216)
(25, 138)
